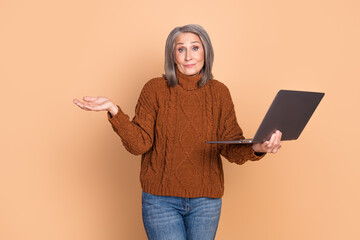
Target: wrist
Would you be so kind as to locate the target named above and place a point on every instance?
(113, 110)
(257, 149)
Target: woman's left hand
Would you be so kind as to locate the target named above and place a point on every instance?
(271, 146)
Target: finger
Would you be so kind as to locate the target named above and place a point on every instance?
(264, 146)
(100, 100)
(277, 138)
(276, 149)
(89, 107)
(90, 99)
(276, 144)
(93, 107)
(84, 105)
(78, 103)
(271, 141)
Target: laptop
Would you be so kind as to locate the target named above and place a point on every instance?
(289, 113)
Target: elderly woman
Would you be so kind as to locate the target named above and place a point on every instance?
(182, 176)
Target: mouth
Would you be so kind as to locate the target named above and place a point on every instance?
(189, 65)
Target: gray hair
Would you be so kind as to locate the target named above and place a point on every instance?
(170, 66)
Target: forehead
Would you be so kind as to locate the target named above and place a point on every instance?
(187, 37)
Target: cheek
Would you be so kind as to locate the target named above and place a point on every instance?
(200, 56)
(177, 58)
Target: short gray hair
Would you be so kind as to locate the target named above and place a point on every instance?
(170, 66)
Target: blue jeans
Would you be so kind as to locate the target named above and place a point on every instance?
(177, 218)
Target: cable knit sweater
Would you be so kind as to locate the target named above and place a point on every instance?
(169, 130)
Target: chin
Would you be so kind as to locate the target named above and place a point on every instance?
(192, 72)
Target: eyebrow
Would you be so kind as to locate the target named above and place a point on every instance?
(191, 42)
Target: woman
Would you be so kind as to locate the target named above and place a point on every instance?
(182, 176)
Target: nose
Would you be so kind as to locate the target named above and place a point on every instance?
(188, 55)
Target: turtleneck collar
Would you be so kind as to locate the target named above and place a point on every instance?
(188, 82)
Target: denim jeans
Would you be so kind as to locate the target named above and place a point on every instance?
(177, 218)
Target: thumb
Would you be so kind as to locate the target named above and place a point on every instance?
(89, 99)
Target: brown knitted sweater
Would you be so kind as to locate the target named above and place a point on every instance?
(169, 130)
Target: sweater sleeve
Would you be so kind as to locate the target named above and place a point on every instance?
(230, 130)
(137, 135)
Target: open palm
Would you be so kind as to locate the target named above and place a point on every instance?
(97, 104)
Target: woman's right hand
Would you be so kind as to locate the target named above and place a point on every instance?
(97, 104)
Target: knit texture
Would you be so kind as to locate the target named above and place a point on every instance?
(169, 130)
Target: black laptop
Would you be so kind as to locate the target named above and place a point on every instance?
(289, 113)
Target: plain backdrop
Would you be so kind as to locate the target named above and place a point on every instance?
(64, 173)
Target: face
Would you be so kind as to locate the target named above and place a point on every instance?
(189, 53)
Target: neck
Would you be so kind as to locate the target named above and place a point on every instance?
(188, 82)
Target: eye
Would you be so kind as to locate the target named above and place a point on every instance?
(180, 49)
(196, 48)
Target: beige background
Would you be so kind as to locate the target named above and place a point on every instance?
(64, 173)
